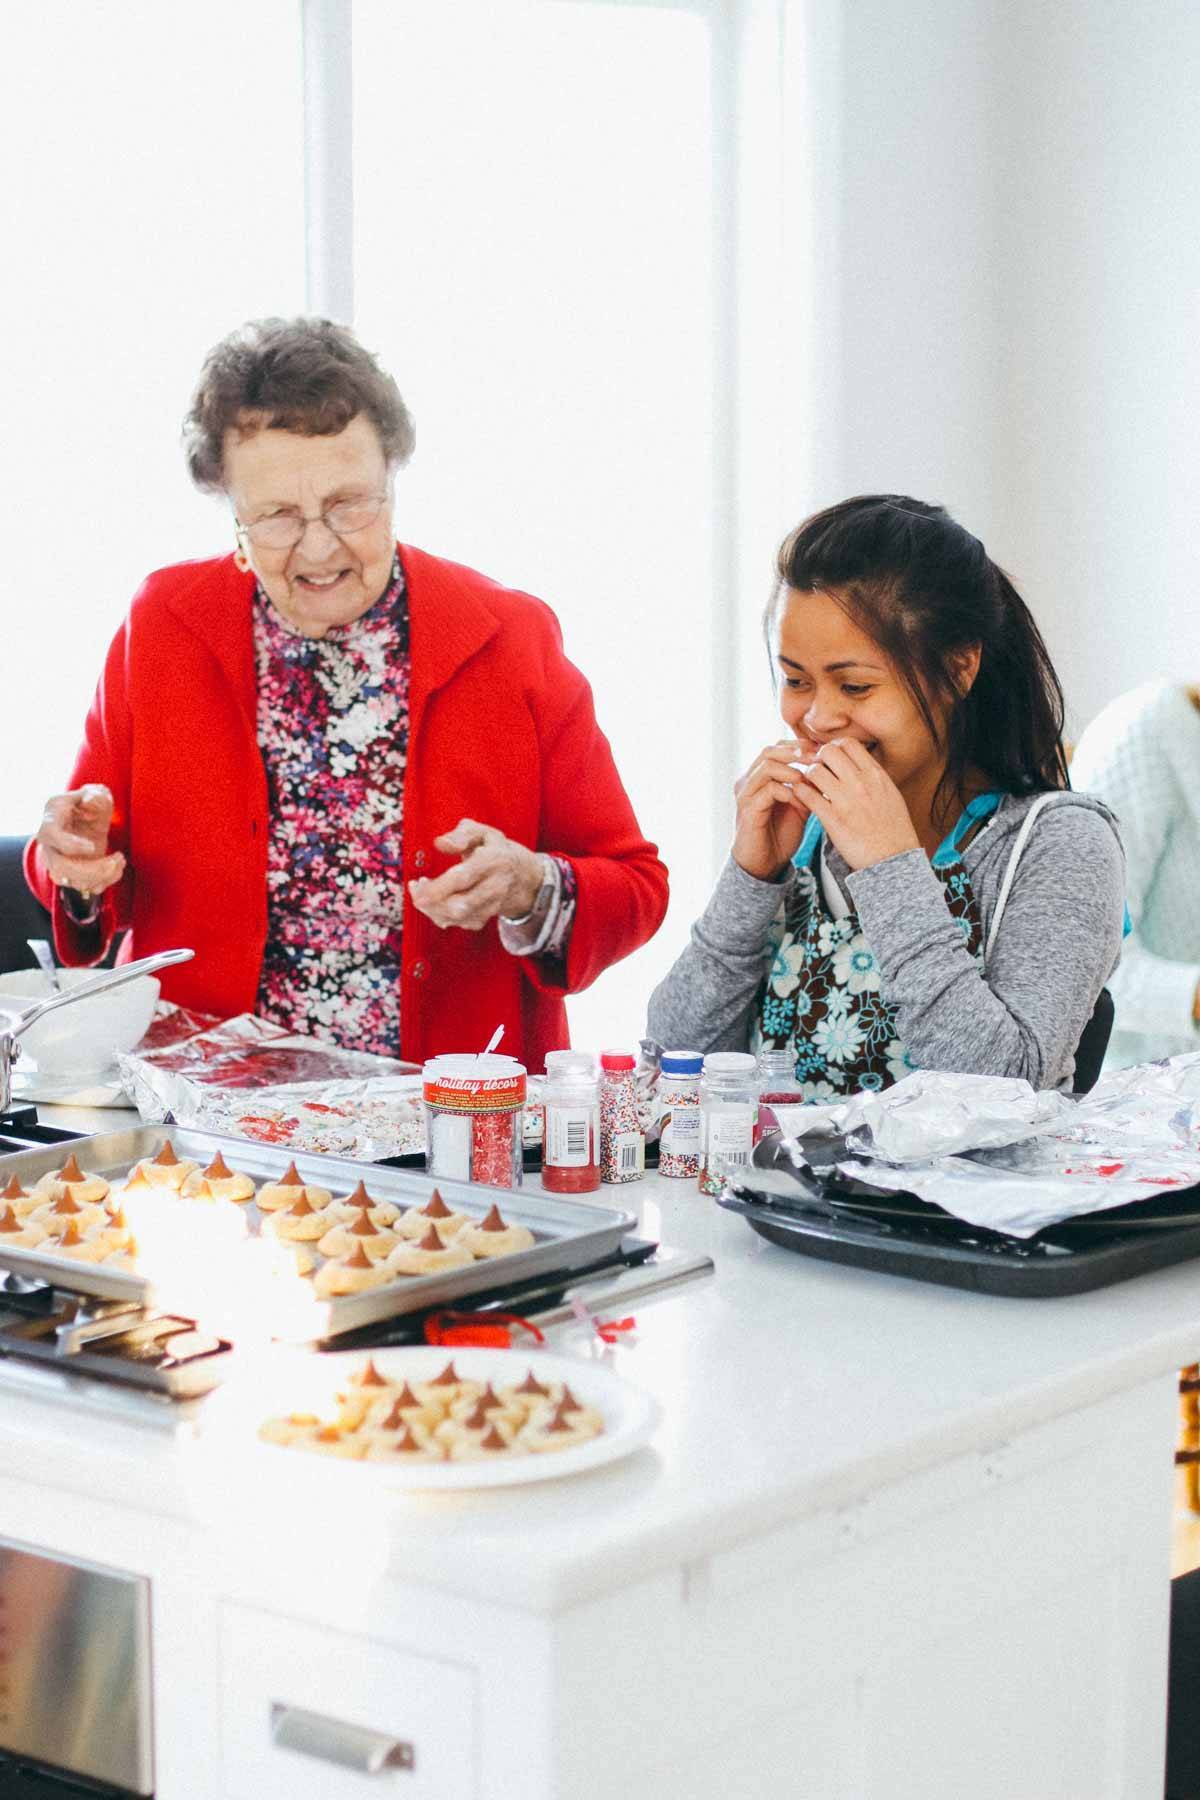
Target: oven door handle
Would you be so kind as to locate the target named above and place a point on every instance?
(336, 1741)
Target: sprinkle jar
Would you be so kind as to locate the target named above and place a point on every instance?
(729, 1102)
(680, 1118)
(571, 1144)
(473, 1118)
(777, 1086)
(622, 1146)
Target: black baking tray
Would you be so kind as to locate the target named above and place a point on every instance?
(899, 1234)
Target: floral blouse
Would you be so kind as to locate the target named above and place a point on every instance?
(822, 996)
(333, 720)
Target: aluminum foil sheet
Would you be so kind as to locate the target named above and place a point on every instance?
(247, 1078)
(245, 1052)
(250, 1078)
(1136, 1136)
(371, 1120)
(929, 1114)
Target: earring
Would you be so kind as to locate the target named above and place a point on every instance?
(241, 560)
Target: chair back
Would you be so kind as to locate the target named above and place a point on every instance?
(1089, 1055)
(21, 916)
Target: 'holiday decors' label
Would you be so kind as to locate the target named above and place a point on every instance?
(466, 1094)
(474, 1084)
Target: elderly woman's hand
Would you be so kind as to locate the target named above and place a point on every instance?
(73, 840)
(495, 876)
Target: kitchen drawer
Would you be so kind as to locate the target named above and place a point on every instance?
(338, 1701)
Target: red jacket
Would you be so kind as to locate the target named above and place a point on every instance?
(501, 729)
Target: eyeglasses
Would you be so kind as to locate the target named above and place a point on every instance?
(280, 530)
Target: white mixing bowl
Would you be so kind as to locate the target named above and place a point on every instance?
(83, 1039)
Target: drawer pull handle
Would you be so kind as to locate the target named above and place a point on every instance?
(335, 1741)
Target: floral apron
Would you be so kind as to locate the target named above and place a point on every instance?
(822, 997)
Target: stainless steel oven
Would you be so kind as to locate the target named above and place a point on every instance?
(75, 1697)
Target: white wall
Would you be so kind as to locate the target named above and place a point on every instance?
(1098, 357)
(909, 305)
(997, 205)
(881, 345)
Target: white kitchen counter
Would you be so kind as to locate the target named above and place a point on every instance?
(890, 1539)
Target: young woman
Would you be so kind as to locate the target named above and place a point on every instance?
(873, 916)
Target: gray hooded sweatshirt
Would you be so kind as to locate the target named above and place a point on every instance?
(1022, 1015)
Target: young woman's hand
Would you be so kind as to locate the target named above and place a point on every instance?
(858, 803)
(771, 814)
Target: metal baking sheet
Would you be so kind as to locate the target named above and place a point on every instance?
(34, 1337)
(565, 1231)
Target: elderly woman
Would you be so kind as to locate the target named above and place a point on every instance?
(363, 783)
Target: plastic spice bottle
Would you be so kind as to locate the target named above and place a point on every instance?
(778, 1084)
(571, 1144)
(729, 1102)
(622, 1146)
(680, 1119)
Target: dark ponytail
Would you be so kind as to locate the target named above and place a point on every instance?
(926, 591)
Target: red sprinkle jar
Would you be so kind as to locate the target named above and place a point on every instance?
(777, 1073)
(474, 1112)
(571, 1141)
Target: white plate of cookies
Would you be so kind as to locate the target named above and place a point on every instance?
(431, 1417)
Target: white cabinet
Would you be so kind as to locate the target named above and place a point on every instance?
(341, 1700)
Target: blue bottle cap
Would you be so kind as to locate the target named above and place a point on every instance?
(681, 1062)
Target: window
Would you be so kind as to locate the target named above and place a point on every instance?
(153, 199)
(534, 261)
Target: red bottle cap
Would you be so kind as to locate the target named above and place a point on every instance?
(616, 1059)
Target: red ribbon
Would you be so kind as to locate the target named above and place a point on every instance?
(610, 1329)
(607, 1330)
(493, 1330)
